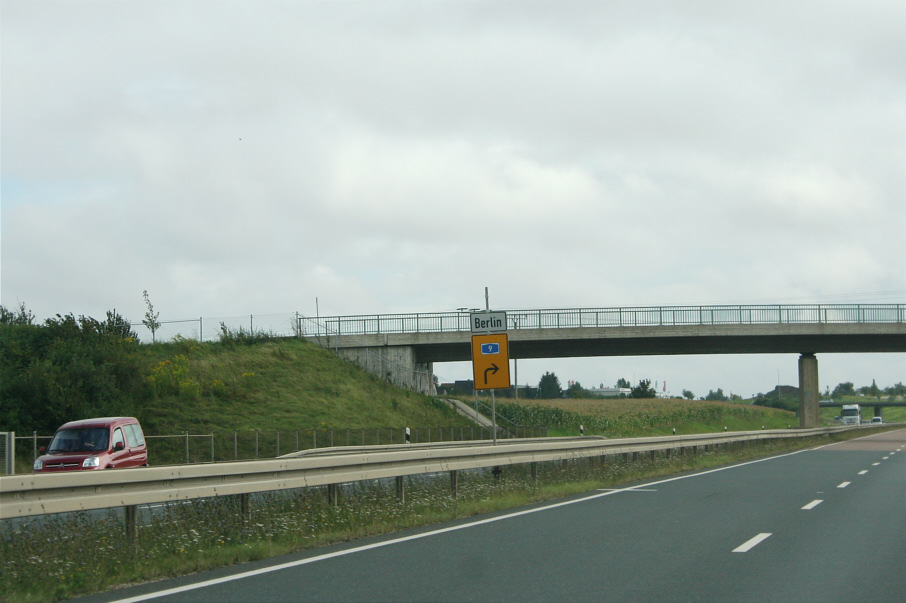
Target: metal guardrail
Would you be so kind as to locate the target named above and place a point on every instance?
(39, 494)
(440, 322)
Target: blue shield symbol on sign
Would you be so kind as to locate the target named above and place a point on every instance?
(490, 348)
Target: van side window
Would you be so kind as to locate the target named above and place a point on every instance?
(118, 437)
(139, 436)
(133, 435)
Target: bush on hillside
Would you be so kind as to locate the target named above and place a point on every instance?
(66, 368)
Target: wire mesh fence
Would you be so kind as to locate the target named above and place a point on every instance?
(222, 446)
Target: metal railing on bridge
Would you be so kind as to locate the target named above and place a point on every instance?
(440, 322)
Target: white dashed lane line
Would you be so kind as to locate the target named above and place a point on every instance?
(844, 484)
(752, 543)
(812, 505)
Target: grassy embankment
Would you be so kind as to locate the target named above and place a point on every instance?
(280, 384)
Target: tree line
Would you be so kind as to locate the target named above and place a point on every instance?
(549, 387)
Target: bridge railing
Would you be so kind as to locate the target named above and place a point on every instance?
(442, 322)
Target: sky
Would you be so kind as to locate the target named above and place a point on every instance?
(242, 159)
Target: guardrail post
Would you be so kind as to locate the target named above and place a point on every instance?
(400, 489)
(454, 482)
(129, 513)
(534, 470)
(245, 507)
(332, 495)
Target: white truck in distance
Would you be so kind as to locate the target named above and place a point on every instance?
(851, 415)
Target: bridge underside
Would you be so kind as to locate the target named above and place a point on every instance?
(407, 359)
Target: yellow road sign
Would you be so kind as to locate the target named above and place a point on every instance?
(491, 361)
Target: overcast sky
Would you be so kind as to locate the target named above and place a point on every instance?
(258, 157)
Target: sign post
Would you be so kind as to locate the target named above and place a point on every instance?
(490, 354)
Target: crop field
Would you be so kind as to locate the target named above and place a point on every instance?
(628, 417)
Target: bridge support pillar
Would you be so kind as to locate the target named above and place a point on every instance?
(396, 364)
(808, 391)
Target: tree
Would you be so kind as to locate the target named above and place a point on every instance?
(716, 395)
(549, 386)
(844, 389)
(23, 317)
(643, 390)
(688, 395)
(576, 390)
(150, 317)
(621, 383)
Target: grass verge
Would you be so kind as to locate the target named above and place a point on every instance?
(62, 556)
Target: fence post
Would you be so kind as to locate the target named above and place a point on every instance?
(256, 443)
(187, 448)
(34, 444)
(212, 446)
(235, 447)
(278, 441)
(9, 453)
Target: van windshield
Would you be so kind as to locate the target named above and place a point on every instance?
(87, 439)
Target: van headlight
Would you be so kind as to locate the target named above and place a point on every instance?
(39, 465)
(91, 461)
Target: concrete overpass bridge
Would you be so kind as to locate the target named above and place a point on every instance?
(404, 347)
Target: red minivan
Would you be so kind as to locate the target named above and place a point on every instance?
(104, 443)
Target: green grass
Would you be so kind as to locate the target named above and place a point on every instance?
(277, 384)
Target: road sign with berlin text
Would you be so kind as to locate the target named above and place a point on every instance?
(491, 361)
(487, 322)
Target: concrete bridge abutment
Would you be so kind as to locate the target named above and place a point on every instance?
(396, 364)
(808, 391)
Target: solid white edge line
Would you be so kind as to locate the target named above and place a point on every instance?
(812, 505)
(377, 545)
(751, 543)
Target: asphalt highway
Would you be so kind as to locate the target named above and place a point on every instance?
(826, 524)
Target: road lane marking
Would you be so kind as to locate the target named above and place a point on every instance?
(625, 490)
(885, 458)
(751, 543)
(875, 464)
(812, 505)
(863, 472)
(844, 484)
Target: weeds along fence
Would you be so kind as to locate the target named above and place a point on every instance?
(212, 447)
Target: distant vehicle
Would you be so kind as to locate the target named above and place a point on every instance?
(102, 443)
(876, 420)
(851, 414)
